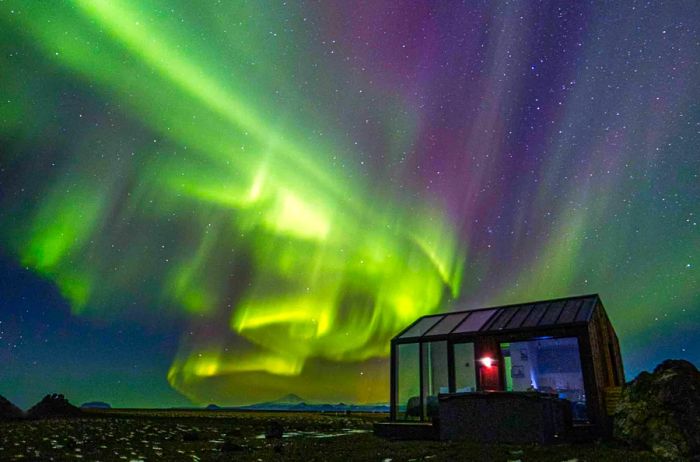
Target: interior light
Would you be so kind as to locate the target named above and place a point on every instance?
(487, 361)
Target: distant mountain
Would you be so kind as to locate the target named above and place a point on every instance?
(53, 405)
(95, 405)
(9, 411)
(292, 402)
(283, 403)
(291, 398)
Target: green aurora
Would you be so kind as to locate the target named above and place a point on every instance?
(302, 261)
(289, 185)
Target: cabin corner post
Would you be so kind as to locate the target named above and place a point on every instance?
(618, 360)
(451, 373)
(421, 380)
(590, 379)
(393, 383)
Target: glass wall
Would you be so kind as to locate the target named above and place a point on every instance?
(465, 368)
(435, 376)
(548, 365)
(408, 404)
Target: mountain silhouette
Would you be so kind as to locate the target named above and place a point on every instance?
(54, 405)
(9, 411)
(290, 398)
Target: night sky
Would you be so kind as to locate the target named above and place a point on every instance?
(231, 201)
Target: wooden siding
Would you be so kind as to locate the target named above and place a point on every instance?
(607, 364)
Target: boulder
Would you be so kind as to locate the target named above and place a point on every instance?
(661, 411)
(274, 430)
(231, 446)
(54, 405)
(9, 411)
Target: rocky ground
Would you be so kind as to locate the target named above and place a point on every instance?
(219, 435)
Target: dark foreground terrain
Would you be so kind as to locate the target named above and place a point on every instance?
(119, 435)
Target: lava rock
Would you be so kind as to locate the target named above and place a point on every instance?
(661, 411)
(51, 406)
(190, 436)
(231, 446)
(9, 411)
(274, 430)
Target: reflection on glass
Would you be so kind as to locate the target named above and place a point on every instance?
(435, 376)
(408, 382)
(465, 369)
(548, 366)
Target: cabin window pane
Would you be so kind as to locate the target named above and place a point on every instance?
(517, 320)
(421, 327)
(435, 376)
(465, 369)
(408, 382)
(551, 365)
(446, 325)
(475, 321)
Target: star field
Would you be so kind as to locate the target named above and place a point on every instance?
(225, 202)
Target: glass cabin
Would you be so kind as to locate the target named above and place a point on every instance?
(564, 347)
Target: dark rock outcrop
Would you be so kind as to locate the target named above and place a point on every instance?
(9, 411)
(661, 411)
(53, 406)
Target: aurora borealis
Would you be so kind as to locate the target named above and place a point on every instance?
(231, 201)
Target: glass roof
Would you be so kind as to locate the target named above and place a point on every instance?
(475, 321)
(511, 317)
(447, 323)
(421, 326)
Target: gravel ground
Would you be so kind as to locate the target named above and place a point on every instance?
(221, 435)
